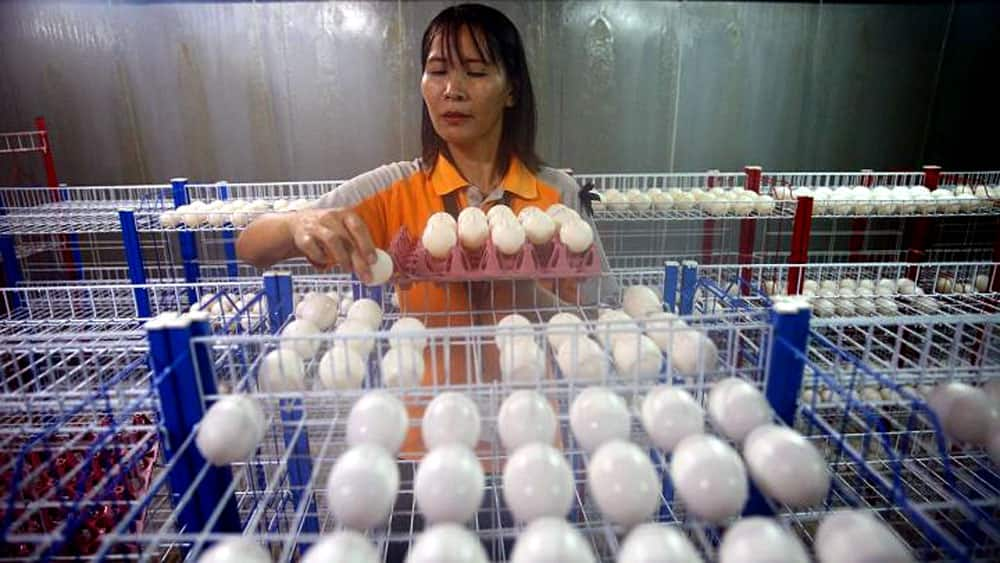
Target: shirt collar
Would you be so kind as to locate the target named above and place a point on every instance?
(518, 180)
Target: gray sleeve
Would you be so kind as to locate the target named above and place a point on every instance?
(603, 290)
(357, 189)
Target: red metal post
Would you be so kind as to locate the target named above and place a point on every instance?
(748, 229)
(50, 164)
(708, 226)
(801, 228)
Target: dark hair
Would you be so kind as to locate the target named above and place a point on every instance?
(502, 47)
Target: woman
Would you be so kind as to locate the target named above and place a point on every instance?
(478, 134)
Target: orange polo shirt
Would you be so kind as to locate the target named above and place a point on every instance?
(406, 194)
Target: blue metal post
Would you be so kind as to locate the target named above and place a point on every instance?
(133, 257)
(165, 381)
(689, 282)
(188, 241)
(671, 275)
(11, 268)
(74, 238)
(228, 237)
(209, 492)
(280, 298)
(219, 479)
(788, 356)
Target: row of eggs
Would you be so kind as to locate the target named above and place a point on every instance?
(883, 200)
(846, 536)
(235, 212)
(507, 231)
(712, 201)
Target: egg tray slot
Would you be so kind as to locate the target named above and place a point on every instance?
(412, 262)
(68, 486)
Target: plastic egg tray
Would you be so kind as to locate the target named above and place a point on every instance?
(413, 262)
(49, 462)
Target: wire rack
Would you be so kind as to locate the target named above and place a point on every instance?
(277, 497)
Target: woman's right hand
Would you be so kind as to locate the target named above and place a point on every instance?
(333, 237)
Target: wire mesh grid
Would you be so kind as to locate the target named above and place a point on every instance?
(22, 141)
(892, 445)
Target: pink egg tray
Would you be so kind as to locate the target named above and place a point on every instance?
(47, 466)
(412, 262)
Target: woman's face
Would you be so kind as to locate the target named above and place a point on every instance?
(465, 95)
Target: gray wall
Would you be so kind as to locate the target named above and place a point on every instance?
(141, 92)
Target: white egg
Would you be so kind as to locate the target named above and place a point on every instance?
(508, 238)
(582, 359)
(926, 304)
(281, 371)
(736, 408)
(170, 219)
(638, 200)
(512, 328)
(382, 269)
(598, 415)
(439, 238)
(539, 227)
(637, 357)
(352, 333)
(614, 200)
(217, 218)
(856, 536)
(299, 205)
(613, 326)
(755, 539)
(222, 436)
(408, 331)
(744, 203)
(692, 353)
(255, 413)
(522, 361)
(525, 417)
(661, 327)
(473, 228)
(638, 301)
(709, 477)
(402, 366)
(982, 283)
(786, 466)
(240, 219)
(345, 304)
(552, 540)
(449, 484)
(683, 201)
(344, 546)
(865, 307)
(670, 414)
(810, 285)
(845, 307)
(341, 367)
(366, 311)
(661, 201)
(965, 412)
(562, 327)
(318, 309)
(944, 284)
(500, 213)
(447, 542)
(886, 306)
(624, 483)
(537, 482)
(764, 205)
(657, 543)
(451, 418)
(824, 307)
(905, 286)
(235, 550)
(362, 486)
(299, 336)
(561, 214)
(442, 218)
(378, 418)
(578, 236)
